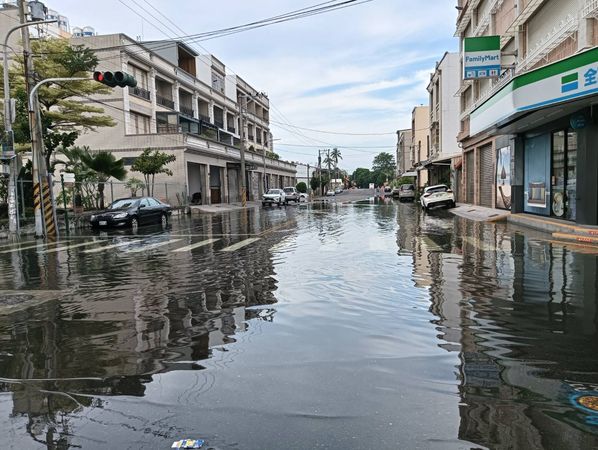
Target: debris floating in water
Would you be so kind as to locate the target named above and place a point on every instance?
(188, 443)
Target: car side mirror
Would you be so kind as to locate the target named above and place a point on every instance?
(141, 206)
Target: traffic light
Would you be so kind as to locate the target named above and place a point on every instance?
(113, 79)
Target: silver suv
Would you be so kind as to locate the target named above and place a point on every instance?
(291, 194)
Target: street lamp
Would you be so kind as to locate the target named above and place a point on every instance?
(8, 150)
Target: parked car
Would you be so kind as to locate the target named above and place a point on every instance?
(132, 212)
(387, 191)
(291, 194)
(273, 196)
(338, 190)
(330, 193)
(439, 195)
(404, 192)
(303, 197)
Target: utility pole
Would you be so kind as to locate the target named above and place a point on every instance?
(328, 159)
(242, 150)
(320, 172)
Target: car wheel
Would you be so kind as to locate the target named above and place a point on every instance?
(134, 223)
(164, 220)
(452, 205)
(279, 204)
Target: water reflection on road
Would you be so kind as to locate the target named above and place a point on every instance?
(343, 326)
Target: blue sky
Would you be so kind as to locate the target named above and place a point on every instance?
(357, 70)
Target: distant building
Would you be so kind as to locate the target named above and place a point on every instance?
(420, 142)
(444, 118)
(404, 142)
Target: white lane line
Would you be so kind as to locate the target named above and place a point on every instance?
(18, 249)
(108, 247)
(153, 246)
(196, 245)
(67, 247)
(239, 245)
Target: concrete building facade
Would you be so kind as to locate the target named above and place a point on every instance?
(528, 134)
(188, 105)
(403, 157)
(444, 119)
(420, 142)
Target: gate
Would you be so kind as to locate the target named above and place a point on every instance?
(487, 177)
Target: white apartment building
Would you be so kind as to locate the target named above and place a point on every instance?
(528, 135)
(444, 118)
(188, 105)
(403, 157)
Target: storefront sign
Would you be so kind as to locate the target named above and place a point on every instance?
(578, 121)
(569, 79)
(481, 57)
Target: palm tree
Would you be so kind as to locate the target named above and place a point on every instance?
(335, 154)
(105, 166)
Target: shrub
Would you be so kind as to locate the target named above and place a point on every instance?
(301, 187)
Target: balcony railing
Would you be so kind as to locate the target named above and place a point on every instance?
(140, 92)
(167, 129)
(163, 101)
(219, 123)
(204, 118)
(590, 9)
(187, 111)
(251, 137)
(232, 130)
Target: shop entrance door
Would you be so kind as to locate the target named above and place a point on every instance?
(564, 174)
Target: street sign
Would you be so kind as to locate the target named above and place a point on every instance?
(481, 57)
(68, 177)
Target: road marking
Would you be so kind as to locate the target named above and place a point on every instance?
(153, 246)
(196, 245)
(67, 247)
(108, 247)
(239, 245)
(31, 246)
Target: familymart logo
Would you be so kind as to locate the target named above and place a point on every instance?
(570, 82)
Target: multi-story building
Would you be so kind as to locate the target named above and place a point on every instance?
(404, 162)
(528, 135)
(444, 118)
(420, 142)
(187, 105)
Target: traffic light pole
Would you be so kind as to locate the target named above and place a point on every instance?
(44, 209)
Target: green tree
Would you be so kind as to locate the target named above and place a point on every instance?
(335, 154)
(362, 177)
(64, 116)
(301, 187)
(314, 182)
(105, 166)
(150, 163)
(384, 166)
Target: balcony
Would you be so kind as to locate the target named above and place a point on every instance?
(251, 137)
(186, 110)
(590, 9)
(219, 123)
(232, 130)
(163, 101)
(140, 92)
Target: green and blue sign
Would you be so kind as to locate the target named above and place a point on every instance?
(481, 57)
(566, 80)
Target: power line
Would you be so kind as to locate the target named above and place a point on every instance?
(340, 133)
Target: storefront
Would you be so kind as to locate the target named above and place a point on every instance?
(547, 161)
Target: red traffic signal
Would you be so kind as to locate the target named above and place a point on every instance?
(113, 79)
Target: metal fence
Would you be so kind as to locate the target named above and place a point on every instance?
(82, 197)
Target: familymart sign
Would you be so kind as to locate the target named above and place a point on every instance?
(566, 80)
(481, 57)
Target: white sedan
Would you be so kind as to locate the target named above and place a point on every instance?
(439, 195)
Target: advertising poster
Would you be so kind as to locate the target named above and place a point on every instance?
(503, 178)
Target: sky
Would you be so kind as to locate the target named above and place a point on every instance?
(354, 71)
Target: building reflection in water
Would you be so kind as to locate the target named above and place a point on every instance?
(128, 319)
(522, 313)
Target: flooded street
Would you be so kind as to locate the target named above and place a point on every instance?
(366, 326)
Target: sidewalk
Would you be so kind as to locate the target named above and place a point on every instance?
(480, 213)
(560, 230)
(222, 207)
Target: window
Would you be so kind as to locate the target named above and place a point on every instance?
(140, 124)
(153, 202)
(145, 203)
(140, 75)
(218, 82)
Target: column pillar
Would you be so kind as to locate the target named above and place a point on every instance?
(207, 197)
(126, 100)
(224, 185)
(211, 111)
(195, 105)
(152, 88)
(175, 95)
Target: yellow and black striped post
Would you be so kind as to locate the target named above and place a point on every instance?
(38, 206)
(48, 210)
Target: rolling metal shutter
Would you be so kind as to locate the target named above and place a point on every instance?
(469, 177)
(487, 177)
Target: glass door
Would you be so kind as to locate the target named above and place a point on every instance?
(571, 176)
(558, 174)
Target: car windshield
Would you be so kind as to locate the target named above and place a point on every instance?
(437, 189)
(274, 191)
(288, 189)
(123, 203)
(407, 187)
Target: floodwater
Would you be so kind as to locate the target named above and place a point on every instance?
(364, 326)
